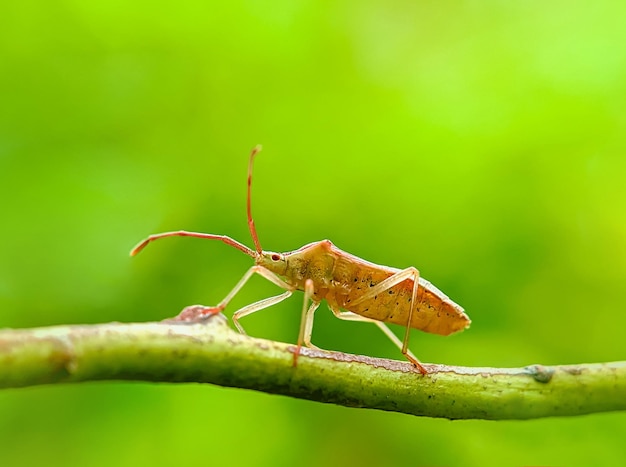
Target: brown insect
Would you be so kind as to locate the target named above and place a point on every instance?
(369, 292)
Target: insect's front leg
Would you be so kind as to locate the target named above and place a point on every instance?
(256, 306)
(261, 304)
(249, 309)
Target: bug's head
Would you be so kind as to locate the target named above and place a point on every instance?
(275, 262)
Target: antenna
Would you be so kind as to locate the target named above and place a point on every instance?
(223, 238)
(255, 237)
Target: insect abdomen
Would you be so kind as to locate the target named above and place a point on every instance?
(435, 312)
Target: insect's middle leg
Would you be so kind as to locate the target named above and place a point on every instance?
(306, 322)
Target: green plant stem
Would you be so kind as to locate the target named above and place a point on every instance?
(210, 352)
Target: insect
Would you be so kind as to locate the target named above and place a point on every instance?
(366, 291)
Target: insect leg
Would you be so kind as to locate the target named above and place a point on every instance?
(246, 310)
(306, 323)
(384, 285)
(408, 273)
(308, 330)
(349, 316)
(256, 306)
(308, 313)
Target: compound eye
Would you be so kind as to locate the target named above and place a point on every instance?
(275, 257)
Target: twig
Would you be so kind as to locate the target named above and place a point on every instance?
(210, 352)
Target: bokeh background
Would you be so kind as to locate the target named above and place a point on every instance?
(483, 142)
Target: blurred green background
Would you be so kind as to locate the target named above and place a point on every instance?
(483, 142)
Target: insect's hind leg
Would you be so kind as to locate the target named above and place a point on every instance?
(349, 316)
(384, 285)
